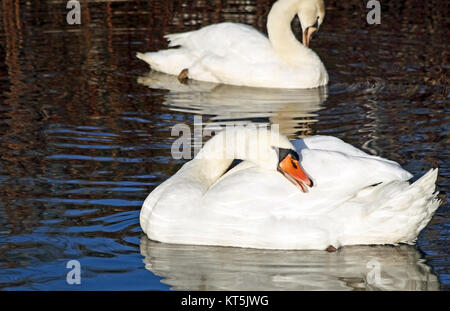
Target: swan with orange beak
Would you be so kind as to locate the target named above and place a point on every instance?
(291, 168)
(342, 195)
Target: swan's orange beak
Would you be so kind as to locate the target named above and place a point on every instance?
(307, 35)
(292, 170)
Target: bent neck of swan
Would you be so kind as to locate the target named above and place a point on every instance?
(281, 36)
(219, 152)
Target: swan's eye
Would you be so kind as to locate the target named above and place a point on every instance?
(292, 170)
(283, 153)
(295, 155)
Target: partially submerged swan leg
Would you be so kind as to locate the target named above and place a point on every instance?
(183, 76)
(331, 249)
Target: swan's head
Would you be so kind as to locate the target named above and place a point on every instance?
(311, 14)
(266, 148)
(289, 166)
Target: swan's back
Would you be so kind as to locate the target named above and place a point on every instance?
(356, 199)
(224, 40)
(213, 52)
(235, 54)
(339, 168)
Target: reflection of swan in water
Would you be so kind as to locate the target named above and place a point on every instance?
(293, 109)
(190, 267)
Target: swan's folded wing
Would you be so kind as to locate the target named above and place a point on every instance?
(330, 143)
(329, 158)
(220, 53)
(250, 191)
(224, 40)
(335, 173)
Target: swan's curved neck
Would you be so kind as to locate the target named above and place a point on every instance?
(254, 145)
(281, 36)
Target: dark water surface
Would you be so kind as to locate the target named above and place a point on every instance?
(85, 135)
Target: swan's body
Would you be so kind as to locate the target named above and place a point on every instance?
(238, 54)
(356, 198)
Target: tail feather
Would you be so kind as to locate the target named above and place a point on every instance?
(406, 211)
(429, 201)
(170, 61)
(144, 57)
(140, 55)
(150, 58)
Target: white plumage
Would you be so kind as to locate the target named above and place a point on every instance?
(238, 54)
(356, 198)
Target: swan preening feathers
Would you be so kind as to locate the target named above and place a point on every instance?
(310, 193)
(238, 54)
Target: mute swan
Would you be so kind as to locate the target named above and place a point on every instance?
(238, 54)
(312, 193)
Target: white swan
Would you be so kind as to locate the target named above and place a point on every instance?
(238, 54)
(348, 197)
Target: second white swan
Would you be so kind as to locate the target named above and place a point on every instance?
(238, 54)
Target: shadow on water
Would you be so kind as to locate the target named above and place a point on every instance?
(188, 267)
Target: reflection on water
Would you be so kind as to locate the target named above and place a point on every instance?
(85, 131)
(293, 110)
(190, 267)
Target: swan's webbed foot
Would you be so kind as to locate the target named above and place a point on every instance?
(331, 249)
(183, 76)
